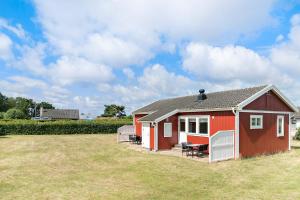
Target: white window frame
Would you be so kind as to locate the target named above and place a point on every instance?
(179, 125)
(282, 128)
(257, 126)
(197, 117)
(166, 132)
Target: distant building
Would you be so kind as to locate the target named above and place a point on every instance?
(295, 123)
(72, 114)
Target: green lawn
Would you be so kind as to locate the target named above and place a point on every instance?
(95, 167)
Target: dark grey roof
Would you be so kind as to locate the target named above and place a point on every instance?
(215, 100)
(60, 113)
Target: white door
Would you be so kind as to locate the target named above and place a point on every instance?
(182, 137)
(146, 135)
(221, 146)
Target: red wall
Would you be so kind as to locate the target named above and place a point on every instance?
(152, 137)
(168, 142)
(138, 125)
(262, 141)
(221, 120)
(268, 101)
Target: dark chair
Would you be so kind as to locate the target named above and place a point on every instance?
(131, 138)
(138, 139)
(203, 149)
(185, 149)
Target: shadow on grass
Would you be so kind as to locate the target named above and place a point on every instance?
(295, 147)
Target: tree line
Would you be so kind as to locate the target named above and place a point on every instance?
(20, 107)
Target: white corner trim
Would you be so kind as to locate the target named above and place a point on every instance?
(156, 137)
(237, 135)
(263, 91)
(289, 134)
(209, 149)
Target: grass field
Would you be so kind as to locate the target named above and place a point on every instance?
(95, 167)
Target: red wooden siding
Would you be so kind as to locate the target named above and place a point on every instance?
(151, 137)
(138, 125)
(268, 101)
(262, 141)
(168, 142)
(221, 120)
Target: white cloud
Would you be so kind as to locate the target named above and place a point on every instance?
(31, 59)
(239, 66)
(68, 70)
(129, 73)
(122, 33)
(21, 86)
(17, 29)
(225, 63)
(5, 47)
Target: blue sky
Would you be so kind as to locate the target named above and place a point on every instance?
(84, 54)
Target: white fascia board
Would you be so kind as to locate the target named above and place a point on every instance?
(205, 110)
(285, 99)
(265, 111)
(241, 105)
(194, 110)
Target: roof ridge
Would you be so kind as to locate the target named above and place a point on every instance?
(171, 98)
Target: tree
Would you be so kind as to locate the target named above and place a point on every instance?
(11, 103)
(44, 105)
(3, 103)
(2, 115)
(25, 105)
(114, 110)
(14, 113)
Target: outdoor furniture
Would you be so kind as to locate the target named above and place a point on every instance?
(132, 139)
(138, 139)
(184, 148)
(203, 149)
(197, 149)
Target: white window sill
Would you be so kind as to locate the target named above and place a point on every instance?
(255, 128)
(280, 135)
(197, 134)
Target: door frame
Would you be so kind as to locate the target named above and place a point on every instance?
(148, 136)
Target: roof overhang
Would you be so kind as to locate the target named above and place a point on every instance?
(241, 105)
(169, 114)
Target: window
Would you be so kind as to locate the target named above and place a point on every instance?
(280, 126)
(192, 125)
(167, 129)
(203, 125)
(195, 125)
(256, 121)
(182, 125)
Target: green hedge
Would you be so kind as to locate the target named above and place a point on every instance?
(30, 127)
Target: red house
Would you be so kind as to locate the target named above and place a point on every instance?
(235, 123)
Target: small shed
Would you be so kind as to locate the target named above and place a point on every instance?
(124, 132)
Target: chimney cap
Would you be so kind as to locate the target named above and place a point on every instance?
(201, 91)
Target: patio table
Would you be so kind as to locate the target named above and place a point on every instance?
(193, 146)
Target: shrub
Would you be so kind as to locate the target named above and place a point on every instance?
(2, 115)
(297, 136)
(30, 127)
(14, 114)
